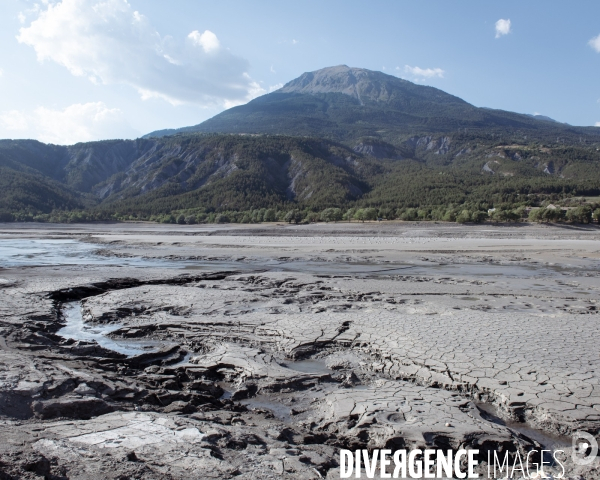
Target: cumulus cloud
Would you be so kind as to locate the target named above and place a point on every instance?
(110, 43)
(14, 121)
(595, 43)
(207, 40)
(423, 72)
(76, 123)
(502, 27)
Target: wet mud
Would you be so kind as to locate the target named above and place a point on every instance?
(149, 353)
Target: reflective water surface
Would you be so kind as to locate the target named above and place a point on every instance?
(56, 252)
(77, 329)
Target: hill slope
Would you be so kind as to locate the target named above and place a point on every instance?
(227, 173)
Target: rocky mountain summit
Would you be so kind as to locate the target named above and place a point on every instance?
(345, 103)
(366, 85)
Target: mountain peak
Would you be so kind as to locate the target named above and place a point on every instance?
(346, 103)
(359, 83)
(364, 85)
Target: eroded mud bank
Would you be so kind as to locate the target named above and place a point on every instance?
(270, 372)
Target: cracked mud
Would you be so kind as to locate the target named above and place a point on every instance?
(141, 352)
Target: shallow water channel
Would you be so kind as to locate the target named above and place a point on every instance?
(67, 252)
(77, 329)
(547, 440)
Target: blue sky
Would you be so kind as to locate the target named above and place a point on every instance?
(80, 70)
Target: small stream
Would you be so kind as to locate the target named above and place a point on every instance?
(547, 440)
(77, 329)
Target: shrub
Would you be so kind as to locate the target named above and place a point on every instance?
(479, 216)
(463, 217)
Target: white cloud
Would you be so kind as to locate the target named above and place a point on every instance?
(597, 124)
(208, 40)
(595, 43)
(272, 69)
(76, 123)
(110, 43)
(272, 88)
(14, 121)
(254, 90)
(22, 16)
(294, 41)
(502, 27)
(423, 72)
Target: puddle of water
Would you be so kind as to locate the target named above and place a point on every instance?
(28, 253)
(280, 411)
(77, 329)
(227, 390)
(25, 252)
(311, 365)
(548, 440)
(184, 361)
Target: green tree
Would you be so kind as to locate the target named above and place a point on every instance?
(463, 217)
(349, 215)
(582, 214)
(535, 215)
(449, 215)
(270, 215)
(294, 216)
(312, 217)
(360, 215)
(479, 216)
(370, 214)
(331, 215)
(409, 215)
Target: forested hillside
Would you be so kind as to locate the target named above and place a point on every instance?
(235, 177)
(332, 144)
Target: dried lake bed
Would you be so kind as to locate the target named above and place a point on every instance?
(217, 351)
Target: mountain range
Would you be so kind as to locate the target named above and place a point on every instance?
(336, 137)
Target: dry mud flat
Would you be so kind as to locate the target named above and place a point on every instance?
(144, 351)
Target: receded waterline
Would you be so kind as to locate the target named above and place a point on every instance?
(59, 252)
